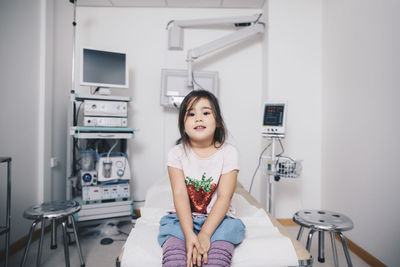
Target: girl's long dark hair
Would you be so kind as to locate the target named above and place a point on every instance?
(196, 95)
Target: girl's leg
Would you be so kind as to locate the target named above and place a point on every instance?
(174, 253)
(220, 254)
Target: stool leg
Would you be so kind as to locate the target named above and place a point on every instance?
(346, 251)
(7, 244)
(33, 226)
(300, 233)
(309, 239)
(321, 246)
(77, 241)
(66, 251)
(335, 258)
(39, 254)
(53, 244)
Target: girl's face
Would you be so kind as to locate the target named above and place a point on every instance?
(200, 121)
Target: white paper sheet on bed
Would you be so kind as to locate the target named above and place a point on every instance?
(263, 244)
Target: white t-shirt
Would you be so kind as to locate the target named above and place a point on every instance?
(202, 174)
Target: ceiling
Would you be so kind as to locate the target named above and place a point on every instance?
(174, 3)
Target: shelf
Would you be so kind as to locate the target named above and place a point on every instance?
(103, 210)
(81, 97)
(85, 132)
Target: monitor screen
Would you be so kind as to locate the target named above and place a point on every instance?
(274, 118)
(273, 115)
(174, 85)
(104, 68)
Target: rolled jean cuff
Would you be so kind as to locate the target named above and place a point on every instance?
(230, 229)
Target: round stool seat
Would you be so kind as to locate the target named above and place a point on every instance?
(52, 209)
(323, 220)
(62, 210)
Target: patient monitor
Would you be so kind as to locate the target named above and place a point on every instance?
(274, 119)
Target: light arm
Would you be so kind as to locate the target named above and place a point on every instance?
(225, 41)
(175, 32)
(220, 43)
(219, 21)
(251, 25)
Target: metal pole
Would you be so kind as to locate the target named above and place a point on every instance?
(70, 111)
(321, 246)
(73, 47)
(39, 253)
(78, 246)
(8, 222)
(26, 251)
(66, 250)
(333, 242)
(271, 193)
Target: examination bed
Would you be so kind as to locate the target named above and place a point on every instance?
(266, 243)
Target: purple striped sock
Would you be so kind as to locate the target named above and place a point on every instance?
(220, 254)
(174, 253)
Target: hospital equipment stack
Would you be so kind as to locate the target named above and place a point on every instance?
(99, 173)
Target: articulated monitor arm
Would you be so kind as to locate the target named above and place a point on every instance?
(252, 25)
(220, 43)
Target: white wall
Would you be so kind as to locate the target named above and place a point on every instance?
(19, 104)
(360, 121)
(293, 73)
(141, 32)
(62, 85)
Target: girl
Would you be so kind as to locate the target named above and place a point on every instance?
(203, 171)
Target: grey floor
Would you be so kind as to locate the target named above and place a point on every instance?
(99, 255)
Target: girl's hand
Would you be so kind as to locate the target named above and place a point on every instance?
(197, 257)
(204, 241)
(193, 249)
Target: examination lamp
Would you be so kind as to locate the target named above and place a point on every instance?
(250, 26)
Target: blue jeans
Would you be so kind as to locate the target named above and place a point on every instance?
(230, 229)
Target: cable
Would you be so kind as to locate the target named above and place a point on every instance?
(96, 90)
(171, 21)
(280, 142)
(283, 150)
(122, 232)
(77, 114)
(259, 162)
(175, 105)
(258, 19)
(194, 81)
(109, 152)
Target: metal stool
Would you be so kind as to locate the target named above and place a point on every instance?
(321, 221)
(52, 211)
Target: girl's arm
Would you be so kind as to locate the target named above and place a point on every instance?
(226, 188)
(182, 206)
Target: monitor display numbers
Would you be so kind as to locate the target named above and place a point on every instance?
(273, 115)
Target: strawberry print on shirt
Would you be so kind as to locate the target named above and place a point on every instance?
(200, 192)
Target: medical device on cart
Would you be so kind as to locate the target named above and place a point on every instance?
(277, 166)
(87, 173)
(113, 167)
